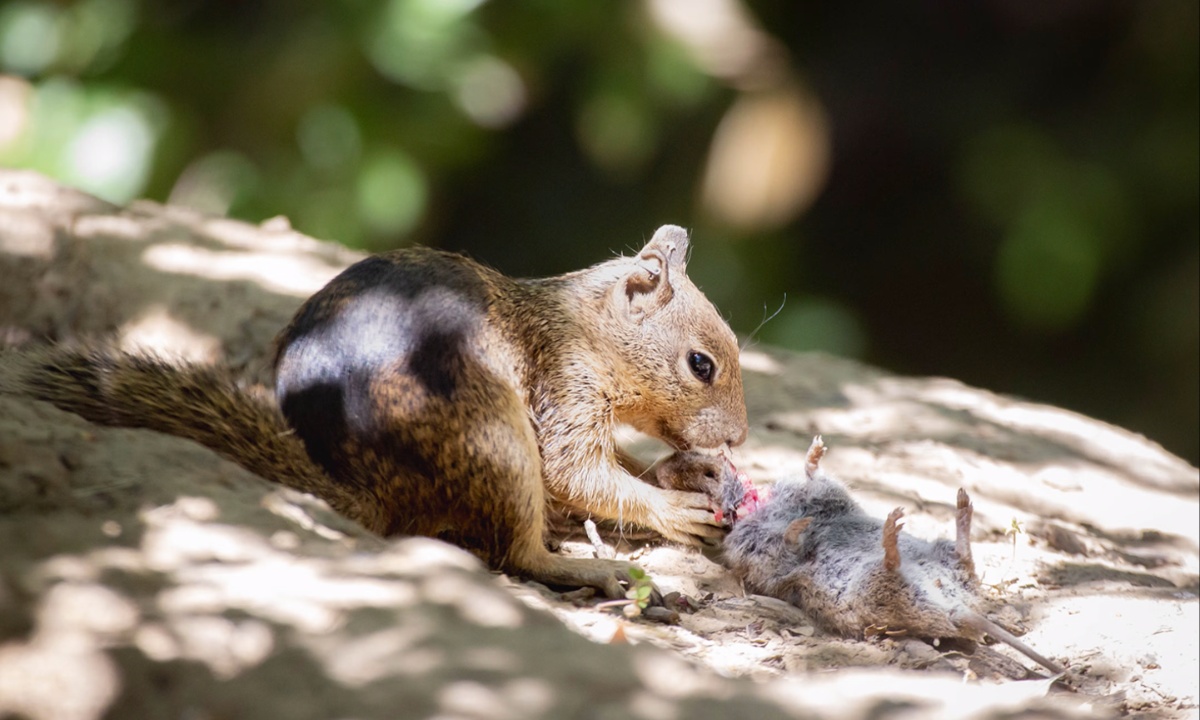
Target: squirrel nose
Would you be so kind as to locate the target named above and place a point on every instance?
(741, 438)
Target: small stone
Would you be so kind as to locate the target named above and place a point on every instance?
(679, 602)
(71, 458)
(663, 615)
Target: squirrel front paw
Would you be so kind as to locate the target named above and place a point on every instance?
(687, 517)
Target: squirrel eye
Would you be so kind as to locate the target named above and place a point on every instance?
(701, 365)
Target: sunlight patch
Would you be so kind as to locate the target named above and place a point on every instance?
(155, 328)
(279, 272)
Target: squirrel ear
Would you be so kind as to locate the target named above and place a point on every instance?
(647, 287)
(671, 243)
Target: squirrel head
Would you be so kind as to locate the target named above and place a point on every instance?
(680, 375)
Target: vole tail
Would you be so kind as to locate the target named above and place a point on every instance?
(200, 403)
(982, 624)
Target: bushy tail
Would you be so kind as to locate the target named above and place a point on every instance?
(200, 403)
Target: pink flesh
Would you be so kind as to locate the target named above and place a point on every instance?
(751, 499)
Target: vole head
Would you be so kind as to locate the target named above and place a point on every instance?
(680, 378)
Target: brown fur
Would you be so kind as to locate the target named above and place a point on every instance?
(442, 398)
(205, 404)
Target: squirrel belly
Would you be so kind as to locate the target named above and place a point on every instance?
(421, 393)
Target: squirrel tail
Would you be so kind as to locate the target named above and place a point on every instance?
(200, 403)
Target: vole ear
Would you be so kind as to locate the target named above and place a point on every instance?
(648, 287)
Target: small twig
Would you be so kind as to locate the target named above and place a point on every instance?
(602, 550)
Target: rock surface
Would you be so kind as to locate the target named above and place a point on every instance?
(143, 576)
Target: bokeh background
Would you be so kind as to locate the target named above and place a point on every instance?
(1007, 193)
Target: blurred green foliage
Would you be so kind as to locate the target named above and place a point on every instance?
(1007, 193)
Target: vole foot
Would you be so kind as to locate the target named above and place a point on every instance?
(816, 451)
(962, 532)
(891, 530)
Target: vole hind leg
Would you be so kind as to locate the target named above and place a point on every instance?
(891, 531)
(962, 532)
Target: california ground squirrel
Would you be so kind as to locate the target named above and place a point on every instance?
(438, 397)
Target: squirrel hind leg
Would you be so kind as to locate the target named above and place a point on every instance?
(481, 480)
(519, 514)
(535, 562)
(522, 510)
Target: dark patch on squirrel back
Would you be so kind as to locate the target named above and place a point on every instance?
(318, 415)
(438, 359)
(414, 313)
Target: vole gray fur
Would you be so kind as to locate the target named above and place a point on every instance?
(812, 545)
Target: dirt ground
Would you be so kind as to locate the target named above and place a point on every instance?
(1099, 574)
(143, 576)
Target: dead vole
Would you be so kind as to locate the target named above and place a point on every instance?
(812, 545)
